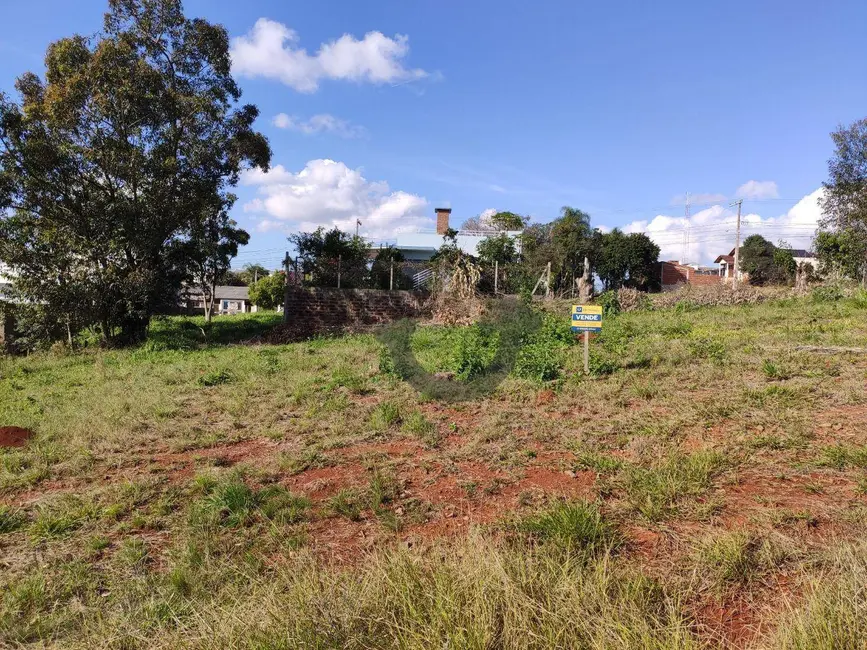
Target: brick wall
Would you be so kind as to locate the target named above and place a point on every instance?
(325, 307)
(674, 274)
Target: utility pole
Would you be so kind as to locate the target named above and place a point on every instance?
(686, 213)
(739, 202)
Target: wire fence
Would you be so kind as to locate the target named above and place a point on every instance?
(413, 275)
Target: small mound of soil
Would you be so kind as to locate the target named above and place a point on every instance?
(14, 436)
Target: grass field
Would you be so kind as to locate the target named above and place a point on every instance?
(705, 487)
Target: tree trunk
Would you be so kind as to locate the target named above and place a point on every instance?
(585, 284)
(209, 301)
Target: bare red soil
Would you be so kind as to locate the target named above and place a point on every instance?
(14, 436)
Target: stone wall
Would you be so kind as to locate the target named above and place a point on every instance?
(319, 307)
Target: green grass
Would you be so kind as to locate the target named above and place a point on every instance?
(664, 489)
(204, 491)
(575, 527)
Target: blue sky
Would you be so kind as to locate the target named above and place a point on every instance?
(616, 108)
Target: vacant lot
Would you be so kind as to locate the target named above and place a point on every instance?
(705, 487)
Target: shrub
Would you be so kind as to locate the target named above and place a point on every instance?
(386, 362)
(556, 329)
(610, 303)
(859, 298)
(630, 299)
(539, 360)
(475, 349)
(826, 293)
(706, 347)
(601, 367)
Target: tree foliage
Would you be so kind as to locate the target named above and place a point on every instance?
(840, 253)
(251, 273)
(323, 254)
(766, 263)
(497, 222)
(269, 291)
(845, 201)
(112, 165)
(386, 270)
(497, 248)
(627, 260)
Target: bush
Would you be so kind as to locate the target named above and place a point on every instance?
(475, 349)
(539, 360)
(705, 347)
(610, 302)
(386, 362)
(600, 367)
(826, 293)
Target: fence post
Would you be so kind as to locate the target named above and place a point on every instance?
(391, 276)
(339, 261)
(286, 286)
(496, 275)
(548, 282)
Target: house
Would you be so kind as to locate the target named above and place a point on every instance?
(727, 267)
(802, 256)
(727, 263)
(673, 275)
(227, 300)
(420, 245)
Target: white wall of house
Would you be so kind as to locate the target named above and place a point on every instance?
(422, 244)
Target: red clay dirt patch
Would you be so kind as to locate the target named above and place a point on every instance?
(14, 436)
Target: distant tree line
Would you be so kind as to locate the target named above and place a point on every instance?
(568, 242)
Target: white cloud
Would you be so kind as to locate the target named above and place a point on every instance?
(270, 50)
(758, 190)
(711, 231)
(322, 123)
(328, 193)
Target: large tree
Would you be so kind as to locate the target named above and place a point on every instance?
(627, 260)
(326, 254)
(757, 260)
(845, 201)
(111, 164)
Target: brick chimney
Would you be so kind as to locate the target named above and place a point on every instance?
(442, 219)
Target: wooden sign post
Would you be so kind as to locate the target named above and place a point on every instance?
(586, 318)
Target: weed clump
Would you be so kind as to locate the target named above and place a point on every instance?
(215, 378)
(657, 492)
(475, 349)
(542, 356)
(576, 527)
(232, 503)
